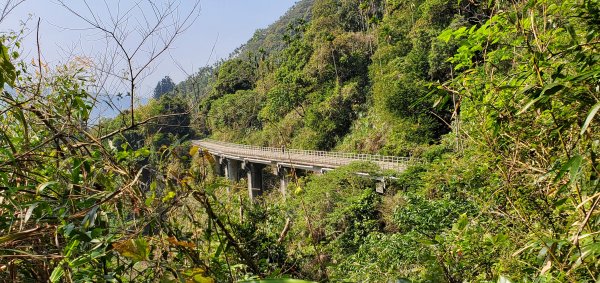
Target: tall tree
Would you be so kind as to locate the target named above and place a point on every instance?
(164, 86)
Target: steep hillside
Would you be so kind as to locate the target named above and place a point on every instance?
(352, 75)
(271, 39)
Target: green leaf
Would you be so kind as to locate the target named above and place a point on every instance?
(80, 261)
(590, 117)
(572, 166)
(134, 249)
(531, 102)
(76, 172)
(445, 35)
(142, 152)
(552, 89)
(584, 76)
(219, 250)
(461, 223)
(8, 72)
(148, 202)
(90, 218)
(72, 246)
(57, 273)
(122, 155)
(460, 32)
(199, 278)
(170, 195)
(575, 165)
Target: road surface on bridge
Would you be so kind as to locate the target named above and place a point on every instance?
(296, 158)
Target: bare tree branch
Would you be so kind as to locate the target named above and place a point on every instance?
(8, 7)
(141, 44)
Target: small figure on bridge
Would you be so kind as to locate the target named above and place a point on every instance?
(283, 149)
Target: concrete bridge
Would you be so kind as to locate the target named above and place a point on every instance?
(232, 159)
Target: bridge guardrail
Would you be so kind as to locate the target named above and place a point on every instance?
(329, 157)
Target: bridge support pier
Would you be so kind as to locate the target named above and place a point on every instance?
(255, 182)
(284, 180)
(380, 186)
(218, 166)
(232, 170)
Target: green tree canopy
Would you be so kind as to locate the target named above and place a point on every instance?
(165, 85)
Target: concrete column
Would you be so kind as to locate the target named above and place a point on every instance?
(255, 184)
(218, 166)
(232, 170)
(380, 186)
(284, 180)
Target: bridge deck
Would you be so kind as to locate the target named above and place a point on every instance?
(304, 159)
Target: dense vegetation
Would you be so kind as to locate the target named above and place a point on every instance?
(499, 98)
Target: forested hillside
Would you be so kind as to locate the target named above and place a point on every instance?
(499, 99)
(357, 77)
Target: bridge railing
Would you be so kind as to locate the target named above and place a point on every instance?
(330, 157)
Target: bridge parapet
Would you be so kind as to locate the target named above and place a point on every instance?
(291, 157)
(253, 159)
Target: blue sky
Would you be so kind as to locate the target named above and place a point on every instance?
(224, 24)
